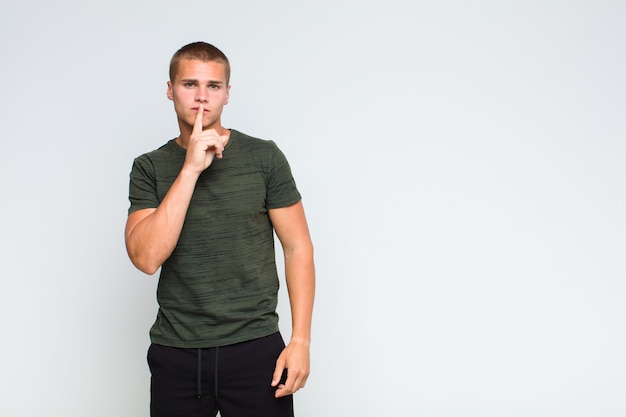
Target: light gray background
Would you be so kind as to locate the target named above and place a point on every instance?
(462, 166)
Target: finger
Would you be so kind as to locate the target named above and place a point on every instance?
(281, 391)
(223, 140)
(293, 382)
(289, 387)
(278, 372)
(197, 126)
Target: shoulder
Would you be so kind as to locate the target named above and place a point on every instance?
(162, 156)
(250, 141)
(262, 150)
(164, 151)
(159, 162)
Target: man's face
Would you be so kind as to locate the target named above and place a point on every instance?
(199, 83)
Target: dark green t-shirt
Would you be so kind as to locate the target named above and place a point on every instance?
(220, 284)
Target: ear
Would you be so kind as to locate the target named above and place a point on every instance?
(227, 95)
(170, 95)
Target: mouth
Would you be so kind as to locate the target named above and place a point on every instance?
(195, 109)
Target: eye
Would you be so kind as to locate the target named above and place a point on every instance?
(214, 86)
(189, 85)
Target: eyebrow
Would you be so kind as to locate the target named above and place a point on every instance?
(193, 80)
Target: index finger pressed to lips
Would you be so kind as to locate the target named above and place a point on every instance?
(197, 126)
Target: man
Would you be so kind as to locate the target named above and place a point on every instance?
(204, 208)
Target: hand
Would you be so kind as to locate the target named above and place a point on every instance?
(203, 145)
(294, 358)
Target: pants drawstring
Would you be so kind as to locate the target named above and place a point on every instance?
(217, 351)
(199, 372)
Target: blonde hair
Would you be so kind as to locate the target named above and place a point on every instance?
(201, 51)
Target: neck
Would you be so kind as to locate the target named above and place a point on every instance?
(186, 130)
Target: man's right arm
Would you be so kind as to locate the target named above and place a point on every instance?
(152, 234)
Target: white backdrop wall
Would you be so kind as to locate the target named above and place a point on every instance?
(462, 166)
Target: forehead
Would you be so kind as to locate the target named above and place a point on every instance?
(194, 69)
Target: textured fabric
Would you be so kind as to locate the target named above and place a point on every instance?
(220, 284)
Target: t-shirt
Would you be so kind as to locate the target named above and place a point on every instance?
(220, 285)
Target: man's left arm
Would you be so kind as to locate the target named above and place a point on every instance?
(292, 231)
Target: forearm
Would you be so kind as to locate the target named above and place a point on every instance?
(150, 239)
(300, 277)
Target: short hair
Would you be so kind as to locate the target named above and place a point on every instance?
(201, 51)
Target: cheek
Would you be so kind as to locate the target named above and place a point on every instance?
(181, 96)
(222, 98)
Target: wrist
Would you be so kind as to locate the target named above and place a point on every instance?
(190, 172)
(300, 341)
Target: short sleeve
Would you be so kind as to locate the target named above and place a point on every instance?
(281, 186)
(142, 191)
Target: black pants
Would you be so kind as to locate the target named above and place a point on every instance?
(234, 380)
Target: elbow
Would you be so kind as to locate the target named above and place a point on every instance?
(144, 263)
(302, 252)
(147, 268)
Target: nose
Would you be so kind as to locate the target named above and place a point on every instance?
(202, 96)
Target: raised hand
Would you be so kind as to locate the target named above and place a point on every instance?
(203, 145)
